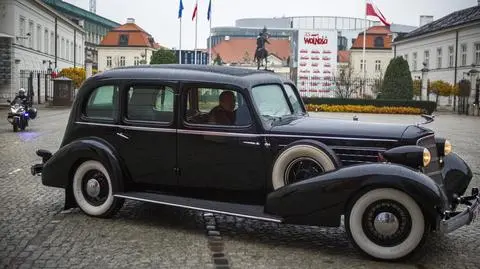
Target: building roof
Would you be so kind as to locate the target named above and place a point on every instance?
(136, 37)
(372, 34)
(244, 77)
(343, 56)
(457, 18)
(82, 13)
(236, 49)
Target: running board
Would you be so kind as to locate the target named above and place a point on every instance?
(232, 209)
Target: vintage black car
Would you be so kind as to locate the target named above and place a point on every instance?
(240, 142)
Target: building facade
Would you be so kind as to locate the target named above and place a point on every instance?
(125, 45)
(33, 36)
(378, 52)
(96, 27)
(188, 57)
(449, 47)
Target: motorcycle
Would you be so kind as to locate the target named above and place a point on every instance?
(19, 115)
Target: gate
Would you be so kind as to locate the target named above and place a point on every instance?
(38, 84)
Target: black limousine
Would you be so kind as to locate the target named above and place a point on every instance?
(240, 142)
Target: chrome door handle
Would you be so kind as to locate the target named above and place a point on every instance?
(123, 135)
(251, 143)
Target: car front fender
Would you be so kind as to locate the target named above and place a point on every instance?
(323, 199)
(59, 169)
(456, 175)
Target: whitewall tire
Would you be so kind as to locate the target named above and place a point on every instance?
(300, 162)
(386, 224)
(92, 189)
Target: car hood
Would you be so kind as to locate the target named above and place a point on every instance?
(348, 128)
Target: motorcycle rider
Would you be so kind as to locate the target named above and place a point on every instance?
(21, 98)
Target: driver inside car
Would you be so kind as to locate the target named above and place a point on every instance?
(224, 113)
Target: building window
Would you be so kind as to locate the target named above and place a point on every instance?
(426, 58)
(463, 54)
(477, 53)
(362, 64)
(52, 43)
(22, 30)
(62, 49)
(450, 56)
(414, 61)
(67, 50)
(379, 42)
(109, 61)
(439, 57)
(45, 41)
(136, 60)
(39, 37)
(32, 34)
(378, 66)
(123, 40)
(122, 61)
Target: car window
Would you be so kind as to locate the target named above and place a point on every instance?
(294, 100)
(154, 103)
(216, 107)
(270, 100)
(101, 102)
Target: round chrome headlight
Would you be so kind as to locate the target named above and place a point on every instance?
(427, 157)
(447, 148)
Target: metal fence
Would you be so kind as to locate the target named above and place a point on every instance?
(38, 84)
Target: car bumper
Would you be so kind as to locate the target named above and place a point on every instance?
(37, 169)
(455, 220)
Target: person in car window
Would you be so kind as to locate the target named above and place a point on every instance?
(224, 113)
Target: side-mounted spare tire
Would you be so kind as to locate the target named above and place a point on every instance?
(302, 160)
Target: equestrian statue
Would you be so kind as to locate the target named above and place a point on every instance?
(261, 52)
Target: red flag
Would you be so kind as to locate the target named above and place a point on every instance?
(195, 11)
(374, 11)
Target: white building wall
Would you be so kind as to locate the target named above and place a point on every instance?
(117, 52)
(30, 53)
(469, 35)
(384, 56)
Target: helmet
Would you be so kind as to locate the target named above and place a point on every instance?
(21, 92)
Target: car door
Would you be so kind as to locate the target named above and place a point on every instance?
(147, 136)
(211, 154)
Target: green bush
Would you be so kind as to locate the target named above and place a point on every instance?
(427, 106)
(397, 83)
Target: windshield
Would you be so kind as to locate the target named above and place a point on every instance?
(270, 101)
(294, 100)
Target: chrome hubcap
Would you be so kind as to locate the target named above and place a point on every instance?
(93, 187)
(386, 223)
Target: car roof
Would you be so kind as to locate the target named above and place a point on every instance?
(243, 77)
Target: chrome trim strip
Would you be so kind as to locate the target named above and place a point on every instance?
(330, 137)
(356, 155)
(198, 208)
(231, 134)
(353, 161)
(215, 133)
(251, 143)
(379, 149)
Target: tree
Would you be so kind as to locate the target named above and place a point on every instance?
(397, 83)
(163, 56)
(441, 88)
(246, 57)
(76, 74)
(218, 60)
(345, 85)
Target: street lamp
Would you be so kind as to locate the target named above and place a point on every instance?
(424, 94)
(473, 81)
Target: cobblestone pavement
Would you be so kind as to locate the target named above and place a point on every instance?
(34, 232)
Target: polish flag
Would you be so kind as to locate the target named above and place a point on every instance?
(372, 10)
(195, 10)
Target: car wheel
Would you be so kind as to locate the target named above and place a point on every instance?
(92, 189)
(300, 162)
(386, 224)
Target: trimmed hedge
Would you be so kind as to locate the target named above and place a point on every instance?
(365, 109)
(427, 106)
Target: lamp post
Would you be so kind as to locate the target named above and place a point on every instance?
(473, 99)
(424, 93)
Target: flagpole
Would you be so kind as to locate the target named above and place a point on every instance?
(210, 41)
(363, 52)
(196, 26)
(180, 44)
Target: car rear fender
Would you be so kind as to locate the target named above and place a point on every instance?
(323, 199)
(59, 169)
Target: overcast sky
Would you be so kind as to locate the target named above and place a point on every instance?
(159, 17)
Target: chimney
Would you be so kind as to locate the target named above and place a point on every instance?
(130, 20)
(426, 19)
